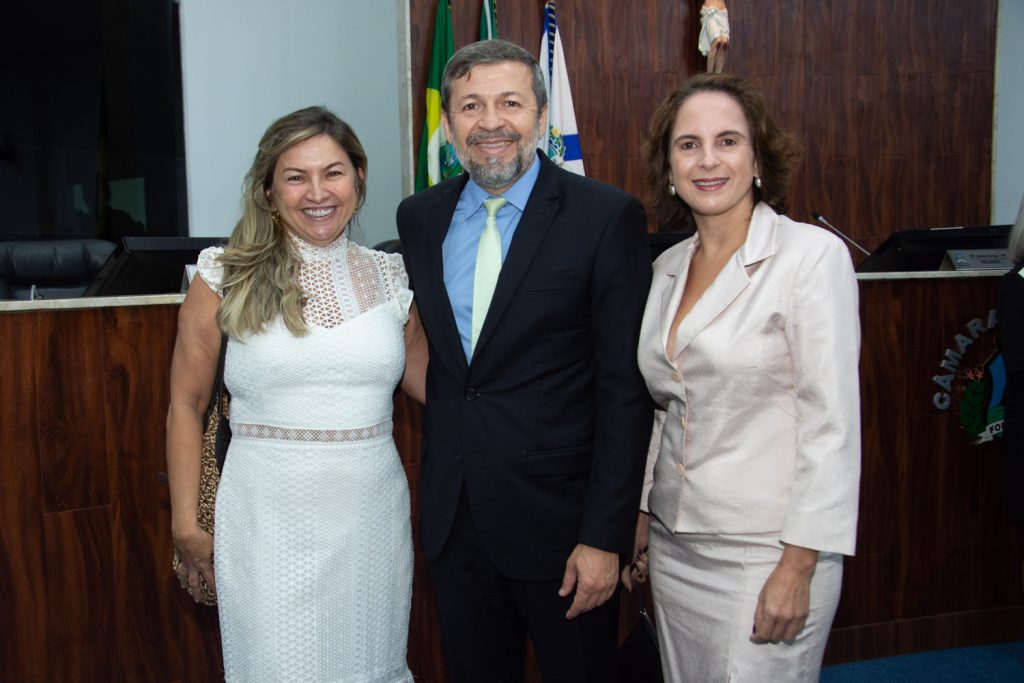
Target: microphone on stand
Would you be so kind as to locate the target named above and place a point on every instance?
(821, 219)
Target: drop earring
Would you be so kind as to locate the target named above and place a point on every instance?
(672, 189)
(757, 182)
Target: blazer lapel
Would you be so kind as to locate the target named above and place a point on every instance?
(726, 287)
(734, 278)
(672, 292)
(449, 343)
(540, 210)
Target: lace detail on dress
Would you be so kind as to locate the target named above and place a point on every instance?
(314, 492)
(343, 280)
(210, 269)
(254, 431)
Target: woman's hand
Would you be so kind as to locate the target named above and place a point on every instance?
(196, 549)
(637, 571)
(785, 599)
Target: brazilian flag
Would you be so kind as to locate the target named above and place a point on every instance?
(437, 157)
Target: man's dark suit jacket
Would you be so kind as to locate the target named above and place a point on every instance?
(548, 426)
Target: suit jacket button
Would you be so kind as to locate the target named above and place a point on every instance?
(676, 377)
(471, 394)
(458, 456)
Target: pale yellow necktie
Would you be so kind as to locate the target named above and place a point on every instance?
(488, 265)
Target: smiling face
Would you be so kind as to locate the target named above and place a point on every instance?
(494, 123)
(315, 189)
(711, 158)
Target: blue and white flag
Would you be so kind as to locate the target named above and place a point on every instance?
(562, 143)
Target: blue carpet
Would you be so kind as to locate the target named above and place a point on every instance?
(1002, 662)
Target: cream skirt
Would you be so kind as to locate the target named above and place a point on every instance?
(705, 589)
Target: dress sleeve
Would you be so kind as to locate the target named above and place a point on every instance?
(210, 268)
(399, 280)
(823, 331)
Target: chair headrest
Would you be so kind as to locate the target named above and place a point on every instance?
(58, 269)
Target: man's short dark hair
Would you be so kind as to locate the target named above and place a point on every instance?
(491, 52)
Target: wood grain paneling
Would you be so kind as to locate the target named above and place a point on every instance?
(136, 361)
(80, 596)
(24, 620)
(87, 593)
(198, 639)
(893, 101)
(70, 405)
(935, 548)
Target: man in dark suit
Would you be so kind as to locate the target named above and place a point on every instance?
(537, 418)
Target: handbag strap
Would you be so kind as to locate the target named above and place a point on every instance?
(218, 407)
(218, 380)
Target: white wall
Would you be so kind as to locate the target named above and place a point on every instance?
(247, 62)
(1008, 133)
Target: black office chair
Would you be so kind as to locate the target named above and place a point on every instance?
(58, 269)
(389, 246)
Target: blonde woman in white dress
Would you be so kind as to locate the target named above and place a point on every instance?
(312, 560)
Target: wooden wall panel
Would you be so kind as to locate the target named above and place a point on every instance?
(936, 555)
(71, 432)
(24, 620)
(198, 638)
(87, 593)
(81, 636)
(893, 101)
(136, 362)
(623, 57)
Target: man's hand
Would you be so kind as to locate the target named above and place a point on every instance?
(594, 573)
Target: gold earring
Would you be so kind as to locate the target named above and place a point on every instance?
(276, 217)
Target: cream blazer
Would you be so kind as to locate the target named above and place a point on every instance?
(761, 424)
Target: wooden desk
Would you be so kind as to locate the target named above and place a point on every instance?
(937, 563)
(86, 590)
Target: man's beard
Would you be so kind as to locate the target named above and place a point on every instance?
(495, 174)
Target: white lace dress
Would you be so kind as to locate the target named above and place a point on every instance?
(313, 544)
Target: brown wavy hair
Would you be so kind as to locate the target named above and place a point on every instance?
(776, 150)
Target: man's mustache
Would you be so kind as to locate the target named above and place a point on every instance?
(494, 135)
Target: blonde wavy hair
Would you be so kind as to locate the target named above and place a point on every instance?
(261, 266)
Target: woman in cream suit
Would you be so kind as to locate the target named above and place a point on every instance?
(749, 345)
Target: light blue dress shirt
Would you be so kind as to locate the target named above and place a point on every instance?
(460, 244)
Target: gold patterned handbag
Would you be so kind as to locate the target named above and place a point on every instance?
(216, 438)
